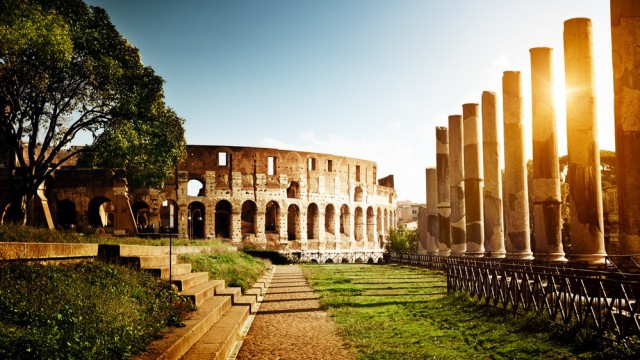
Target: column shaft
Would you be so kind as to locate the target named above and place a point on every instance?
(493, 218)
(585, 192)
(473, 175)
(432, 211)
(444, 204)
(516, 201)
(625, 37)
(456, 185)
(546, 183)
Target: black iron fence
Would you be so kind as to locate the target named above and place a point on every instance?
(603, 299)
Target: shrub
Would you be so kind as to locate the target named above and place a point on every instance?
(81, 311)
(235, 268)
(402, 240)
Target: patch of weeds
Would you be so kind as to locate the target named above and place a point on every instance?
(235, 268)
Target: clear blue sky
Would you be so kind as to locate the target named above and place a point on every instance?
(362, 78)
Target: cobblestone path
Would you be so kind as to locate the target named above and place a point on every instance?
(291, 325)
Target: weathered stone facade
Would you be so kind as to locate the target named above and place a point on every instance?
(267, 198)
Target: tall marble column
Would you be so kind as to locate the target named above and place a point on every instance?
(456, 182)
(546, 182)
(585, 191)
(493, 223)
(625, 37)
(473, 175)
(432, 211)
(444, 204)
(516, 201)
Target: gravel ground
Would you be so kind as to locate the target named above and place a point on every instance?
(291, 325)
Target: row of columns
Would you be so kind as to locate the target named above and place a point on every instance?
(487, 219)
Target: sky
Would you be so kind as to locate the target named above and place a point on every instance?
(369, 79)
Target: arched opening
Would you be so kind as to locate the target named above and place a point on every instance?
(379, 221)
(345, 261)
(329, 219)
(359, 224)
(386, 221)
(195, 187)
(370, 225)
(169, 216)
(293, 223)
(293, 191)
(345, 220)
(272, 214)
(314, 261)
(370, 261)
(140, 211)
(328, 261)
(358, 195)
(223, 219)
(359, 261)
(248, 217)
(101, 212)
(381, 261)
(66, 214)
(313, 214)
(196, 220)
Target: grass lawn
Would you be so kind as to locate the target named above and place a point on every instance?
(395, 312)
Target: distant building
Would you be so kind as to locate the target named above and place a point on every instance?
(408, 213)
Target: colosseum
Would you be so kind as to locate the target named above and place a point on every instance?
(318, 207)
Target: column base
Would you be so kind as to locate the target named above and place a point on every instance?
(550, 257)
(520, 256)
(591, 259)
(444, 252)
(474, 254)
(495, 254)
(458, 249)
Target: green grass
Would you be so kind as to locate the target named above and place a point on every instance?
(393, 312)
(85, 310)
(234, 267)
(21, 233)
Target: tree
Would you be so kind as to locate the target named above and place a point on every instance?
(64, 70)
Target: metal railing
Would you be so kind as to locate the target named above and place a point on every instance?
(603, 299)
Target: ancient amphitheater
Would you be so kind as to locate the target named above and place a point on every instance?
(318, 207)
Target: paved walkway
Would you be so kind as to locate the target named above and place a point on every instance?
(291, 325)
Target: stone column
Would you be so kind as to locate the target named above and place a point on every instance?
(585, 192)
(493, 223)
(444, 204)
(516, 201)
(546, 183)
(473, 175)
(625, 37)
(236, 225)
(432, 211)
(456, 186)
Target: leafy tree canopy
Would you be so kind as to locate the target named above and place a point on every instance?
(64, 70)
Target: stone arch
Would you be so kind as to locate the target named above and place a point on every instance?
(345, 260)
(314, 261)
(386, 221)
(328, 261)
(248, 217)
(196, 220)
(359, 260)
(223, 219)
(293, 191)
(359, 224)
(370, 261)
(358, 194)
(66, 214)
(140, 211)
(272, 218)
(379, 221)
(100, 212)
(294, 160)
(313, 222)
(345, 220)
(329, 219)
(169, 216)
(371, 224)
(293, 221)
(195, 187)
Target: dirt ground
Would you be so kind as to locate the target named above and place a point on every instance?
(291, 325)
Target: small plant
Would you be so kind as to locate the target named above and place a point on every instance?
(402, 240)
(235, 268)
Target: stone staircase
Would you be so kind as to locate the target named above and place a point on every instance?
(214, 329)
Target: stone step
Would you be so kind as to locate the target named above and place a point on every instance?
(250, 301)
(163, 271)
(200, 293)
(149, 261)
(233, 292)
(255, 292)
(218, 342)
(177, 341)
(186, 281)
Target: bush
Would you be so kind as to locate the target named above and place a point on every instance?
(81, 311)
(402, 240)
